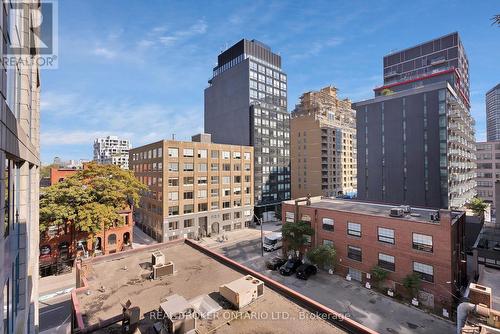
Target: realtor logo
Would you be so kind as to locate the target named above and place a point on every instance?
(32, 28)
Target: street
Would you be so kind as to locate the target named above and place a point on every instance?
(55, 315)
(367, 307)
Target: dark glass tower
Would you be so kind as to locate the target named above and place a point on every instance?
(246, 104)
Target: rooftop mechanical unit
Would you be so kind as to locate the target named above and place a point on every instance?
(397, 212)
(165, 269)
(179, 316)
(157, 258)
(242, 291)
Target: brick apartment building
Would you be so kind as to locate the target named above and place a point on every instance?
(197, 188)
(60, 246)
(323, 145)
(364, 235)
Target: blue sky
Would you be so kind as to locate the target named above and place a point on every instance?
(138, 68)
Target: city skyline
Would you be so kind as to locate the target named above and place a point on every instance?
(172, 102)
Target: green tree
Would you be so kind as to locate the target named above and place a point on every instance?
(496, 20)
(90, 199)
(323, 256)
(45, 170)
(412, 283)
(477, 206)
(295, 234)
(379, 275)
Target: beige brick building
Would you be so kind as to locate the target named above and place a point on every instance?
(19, 173)
(488, 170)
(197, 188)
(323, 145)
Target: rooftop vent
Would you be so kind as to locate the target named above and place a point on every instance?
(242, 291)
(157, 258)
(160, 270)
(178, 315)
(397, 212)
(406, 208)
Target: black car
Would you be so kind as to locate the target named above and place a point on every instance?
(275, 263)
(306, 270)
(290, 266)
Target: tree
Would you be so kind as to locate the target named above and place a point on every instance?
(295, 234)
(386, 92)
(323, 256)
(412, 283)
(496, 20)
(45, 170)
(90, 199)
(477, 206)
(379, 275)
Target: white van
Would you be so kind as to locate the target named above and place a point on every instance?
(273, 241)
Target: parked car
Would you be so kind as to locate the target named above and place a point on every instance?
(290, 266)
(306, 270)
(275, 263)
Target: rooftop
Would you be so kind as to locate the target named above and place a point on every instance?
(368, 208)
(113, 280)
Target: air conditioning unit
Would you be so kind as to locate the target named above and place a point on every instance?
(243, 291)
(157, 258)
(397, 212)
(160, 270)
(178, 315)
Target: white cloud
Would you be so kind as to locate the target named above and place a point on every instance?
(105, 52)
(162, 36)
(315, 48)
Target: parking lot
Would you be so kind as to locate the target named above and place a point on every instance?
(374, 310)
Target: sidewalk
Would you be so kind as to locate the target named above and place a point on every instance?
(141, 239)
(52, 286)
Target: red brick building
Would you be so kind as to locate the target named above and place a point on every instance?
(428, 242)
(59, 246)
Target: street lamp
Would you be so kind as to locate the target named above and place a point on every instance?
(261, 234)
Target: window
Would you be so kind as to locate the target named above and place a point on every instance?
(354, 253)
(173, 152)
(214, 179)
(425, 271)
(422, 242)
(226, 167)
(214, 192)
(8, 197)
(202, 193)
(188, 152)
(237, 214)
(188, 195)
(202, 154)
(173, 181)
(289, 217)
(202, 180)
(202, 167)
(214, 167)
(386, 235)
(214, 154)
(226, 228)
(247, 155)
(173, 225)
(237, 179)
(386, 262)
(214, 205)
(188, 223)
(327, 242)
(112, 239)
(226, 155)
(328, 224)
(188, 181)
(226, 205)
(226, 216)
(188, 167)
(226, 179)
(173, 167)
(173, 210)
(188, 208)
(173, 196)
(203, 207)
(354, 229)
